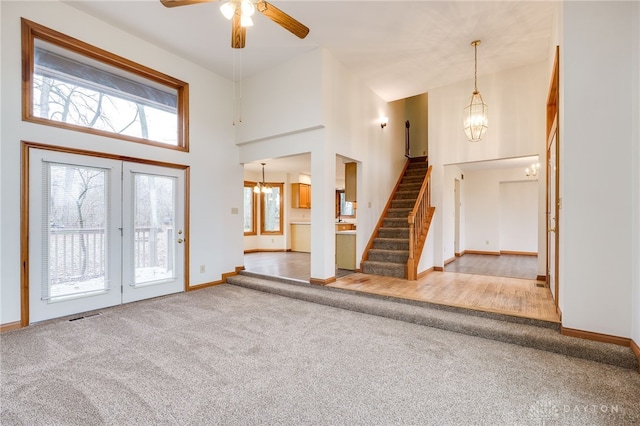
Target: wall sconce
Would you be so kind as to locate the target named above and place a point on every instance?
(383, 122)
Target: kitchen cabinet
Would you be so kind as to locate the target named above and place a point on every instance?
(350, 182)
(345, 226)
(346, 250)
(300, 196)
(301, 237)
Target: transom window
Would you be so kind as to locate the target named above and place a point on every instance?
(71, 84)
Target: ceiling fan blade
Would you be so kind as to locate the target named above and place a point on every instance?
(281, 18)
(238, 32)
(175, 3)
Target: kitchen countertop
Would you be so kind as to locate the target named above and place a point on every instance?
(349, 232)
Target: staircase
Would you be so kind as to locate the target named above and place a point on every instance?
(390, 249)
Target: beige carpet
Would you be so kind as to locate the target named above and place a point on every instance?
(230, 355)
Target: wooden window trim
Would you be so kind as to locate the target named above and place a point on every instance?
(254, 212)
(262, 204)
(32, 31)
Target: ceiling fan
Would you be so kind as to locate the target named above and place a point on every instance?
(240, 12)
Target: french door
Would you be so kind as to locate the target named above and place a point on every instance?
(101, 232)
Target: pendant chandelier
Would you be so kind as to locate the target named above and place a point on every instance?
(262, 186)
(475, 114)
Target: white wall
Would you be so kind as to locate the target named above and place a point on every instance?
(635, 229)
(417, 112)
(353, 114)
(517, 111)
(598, 68)
(517, 106)
(451, 174)
(519, 216)
(214, 240)
(348, 125)
(482, 212)
(282, 100)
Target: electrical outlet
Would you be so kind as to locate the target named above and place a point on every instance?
(202, 269)
(487, 242)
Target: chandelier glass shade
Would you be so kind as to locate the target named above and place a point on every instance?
(246, 8)
(475, 114)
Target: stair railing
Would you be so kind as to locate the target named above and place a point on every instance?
(419, 220)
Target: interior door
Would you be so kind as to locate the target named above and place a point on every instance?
(153, 231)
(552, 217)
(101, 232)
(74, 237)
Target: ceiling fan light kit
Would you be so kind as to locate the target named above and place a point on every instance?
(240, 13)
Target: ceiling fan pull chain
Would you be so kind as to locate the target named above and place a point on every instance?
(240, 94)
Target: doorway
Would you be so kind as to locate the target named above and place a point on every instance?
(101, 232)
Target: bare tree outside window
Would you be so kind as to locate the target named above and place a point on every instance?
(77, 86)
(271, 209)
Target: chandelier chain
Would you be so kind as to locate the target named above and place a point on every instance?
(475, 75)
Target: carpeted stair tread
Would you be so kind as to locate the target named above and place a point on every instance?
(399, 212)
(398, 233)
(395, 222)
(474, 323)
(410, 186)
(386, 255)
(391, 243)
(386, 269)
(406, 195)
(401, 204)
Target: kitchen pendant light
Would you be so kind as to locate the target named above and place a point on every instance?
(262, 186)
(475, 114)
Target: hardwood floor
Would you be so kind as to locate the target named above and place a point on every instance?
(505, 295)
(505, 265)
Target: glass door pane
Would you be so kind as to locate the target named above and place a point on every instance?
(74, 234)
(155, 205)
(75, 224)
(154, 239)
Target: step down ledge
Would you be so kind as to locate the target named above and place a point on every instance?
(525, 335)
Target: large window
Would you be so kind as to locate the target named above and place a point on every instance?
(271, 209)
(250, 199)
(71, 84)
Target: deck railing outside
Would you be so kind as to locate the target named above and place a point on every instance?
(81, 252)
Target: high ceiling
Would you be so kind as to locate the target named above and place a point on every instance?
(398, 48)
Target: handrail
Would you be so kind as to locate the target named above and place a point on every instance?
(419, 222)
(374, 234)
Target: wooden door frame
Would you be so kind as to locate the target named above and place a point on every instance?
(553, 133)
(24, 211)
